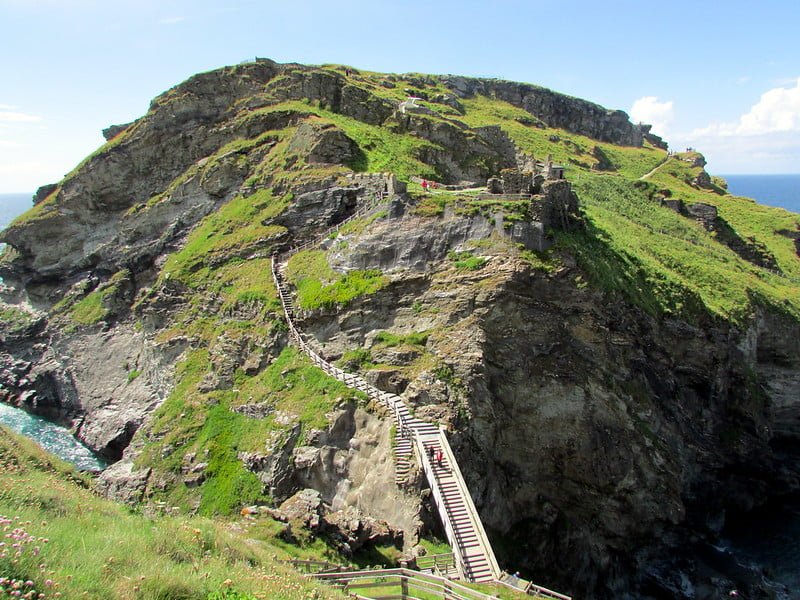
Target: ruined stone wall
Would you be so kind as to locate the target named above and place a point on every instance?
(375, 183)
(516, 182)
(556, 205)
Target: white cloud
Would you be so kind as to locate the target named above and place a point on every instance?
(8, 116)
(763, 140)
(649, 109)
(777, 111)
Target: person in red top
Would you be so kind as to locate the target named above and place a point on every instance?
(424, 185)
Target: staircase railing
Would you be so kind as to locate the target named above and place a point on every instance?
(411, 584)
(361, 211)
(406, 427)
(473, 512)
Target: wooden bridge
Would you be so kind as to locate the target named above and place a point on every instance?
(474, 558)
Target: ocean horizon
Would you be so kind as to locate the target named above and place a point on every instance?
(13, 205)
(782, 191)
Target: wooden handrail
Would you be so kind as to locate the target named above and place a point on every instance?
(473, 512)
(453, 590)
(407, 428)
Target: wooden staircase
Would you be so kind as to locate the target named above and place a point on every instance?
(473, 556)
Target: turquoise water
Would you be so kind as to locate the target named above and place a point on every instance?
(774, 190)
(53, 438)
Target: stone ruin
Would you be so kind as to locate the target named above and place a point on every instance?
(372, 184)
(525, 181)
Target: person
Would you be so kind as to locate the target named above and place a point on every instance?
(439, 457)
(431, 452)
(424, 185)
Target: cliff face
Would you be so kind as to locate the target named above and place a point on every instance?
(584, 426)
(613, 392)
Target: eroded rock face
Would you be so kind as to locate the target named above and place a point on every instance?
(349, 464)
(348, 529)
(600, 442)
(586, 429)
(557, 110)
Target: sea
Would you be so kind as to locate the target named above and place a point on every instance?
(53, 438)
(13, 205)
(774, 190)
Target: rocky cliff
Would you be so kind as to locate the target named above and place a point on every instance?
(620, 382)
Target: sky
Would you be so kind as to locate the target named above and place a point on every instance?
(722, 76)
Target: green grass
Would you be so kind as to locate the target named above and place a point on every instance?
(95, 306)
(383, 150)
(14, 320)
(319, 286)
(435, 546)
(570, 149)
(91, 309)
(466, 261)
(98, 549)
(233, 231)
(190, 421)
(664, 262)
(416, 338)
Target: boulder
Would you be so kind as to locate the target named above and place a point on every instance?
(705, 214)
(306, 507)
(123, 483)
(323, 144)
(113, 131)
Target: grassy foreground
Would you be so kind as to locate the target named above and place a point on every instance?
(63, 541)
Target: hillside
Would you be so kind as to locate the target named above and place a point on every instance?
(614, 357)
(73, 544)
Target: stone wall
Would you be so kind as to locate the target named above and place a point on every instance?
(374, 183)
(556, 206)
(516, 182)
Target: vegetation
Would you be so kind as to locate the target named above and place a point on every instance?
(195, 423)
(70, 543)
(466, 261)
(14, 320)
(319, 286)
(231, 232)
(388, 339)
(667, 263)
(227, 325)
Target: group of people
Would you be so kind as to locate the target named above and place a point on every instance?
(426, 185)
(435, 454)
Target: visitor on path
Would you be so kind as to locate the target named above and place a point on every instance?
(431, 452)
(439, 457)
(424, 185)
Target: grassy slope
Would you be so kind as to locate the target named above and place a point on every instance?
(656, 258)
(98, 549)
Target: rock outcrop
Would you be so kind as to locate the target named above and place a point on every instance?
(557, 110)
(608, 443)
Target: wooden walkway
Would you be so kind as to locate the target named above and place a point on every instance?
(474, 557)
(416, 440)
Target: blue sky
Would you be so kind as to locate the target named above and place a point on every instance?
(721, 76)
